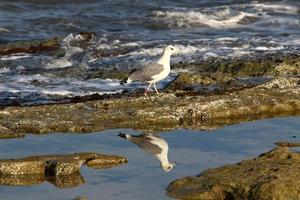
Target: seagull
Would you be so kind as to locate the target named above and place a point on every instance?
(154, 72)
(154, 145)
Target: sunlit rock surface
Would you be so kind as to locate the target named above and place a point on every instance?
(272, 175)
(62, 170)
(166, 111)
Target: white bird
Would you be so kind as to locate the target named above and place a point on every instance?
(154, 145)
(154, 72)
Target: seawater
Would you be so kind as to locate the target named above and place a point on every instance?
(142, 178)
(141, 29)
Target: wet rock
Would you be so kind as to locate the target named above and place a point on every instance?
(66, 181)
(62, 170)
(37, 46)
(207, 83)
(55, 165)
(22, 166)
(30, 46)
(288, 144)
(268, 65)
(63, 167)
(80, 198)
(166, 111)
(272, 175)
(104, 74)
(22, 180)
(282, 82)
(6, 133)
(104, 161)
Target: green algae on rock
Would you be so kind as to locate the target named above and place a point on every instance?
(272, 175)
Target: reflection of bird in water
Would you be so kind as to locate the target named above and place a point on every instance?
(153, 145)
(154, 72)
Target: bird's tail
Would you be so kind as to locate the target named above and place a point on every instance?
(123, 135)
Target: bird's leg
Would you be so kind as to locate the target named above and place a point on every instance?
(148, 89)
(155, 88)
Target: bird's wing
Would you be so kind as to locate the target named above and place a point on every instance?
(146, 143)
(146, 73)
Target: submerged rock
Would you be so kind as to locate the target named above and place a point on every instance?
(272, 175)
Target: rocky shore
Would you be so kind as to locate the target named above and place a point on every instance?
(272, 175)
(205, 95)
(167, 111)
(208, 95)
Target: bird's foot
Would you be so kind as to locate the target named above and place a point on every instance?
(146, 93)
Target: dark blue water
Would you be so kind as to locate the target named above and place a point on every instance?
(142, 178)
(133, 33)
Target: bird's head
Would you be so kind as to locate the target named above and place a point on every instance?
(172, 49)
(169, 167)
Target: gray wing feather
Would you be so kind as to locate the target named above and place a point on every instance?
(144, 142)
(146, 73)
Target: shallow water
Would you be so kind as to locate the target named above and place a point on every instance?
(142, 178)
(140, 29)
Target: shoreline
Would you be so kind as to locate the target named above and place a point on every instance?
(204, 96)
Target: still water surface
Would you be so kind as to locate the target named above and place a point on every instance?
(142, 178)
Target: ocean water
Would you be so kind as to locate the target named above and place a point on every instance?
(133, 33)
(142, 178)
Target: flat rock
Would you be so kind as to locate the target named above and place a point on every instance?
(274, 175)
(22, 166)
(63, 167)
(57, 164)
(6, 133)
(104, 161)
(166, 111)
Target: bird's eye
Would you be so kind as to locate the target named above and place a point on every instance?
(172, 48)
